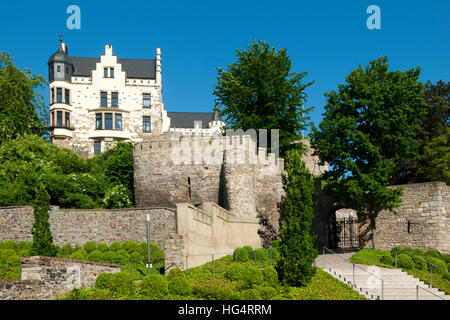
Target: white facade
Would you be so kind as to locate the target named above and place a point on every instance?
(96, 102)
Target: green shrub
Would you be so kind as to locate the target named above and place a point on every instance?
(408, 249)
(103, 247)
(267, 293)
(80, 254)
(387, 259)
(174, 272)
(136, 257)
(438, 263)
(95, 255)
(272, 251)
(270, 276)
(115, 246)
(213, 288)
(130, 246)
(262, 254)
(118, 197)
(8, 244)
(433, 253)
(109, 256)
(252, 276)
(418, 252)
(234, 271)
(179, 286)
(104, 281)
(445, 257)
(251, 294)
(155, 285)
(276, 244)
(65, 251)
(250, 252)
(90, 246)
(420, 264)
(399, 250)
(241, 255)
(123, 283)
(405, 261)
(122, 255)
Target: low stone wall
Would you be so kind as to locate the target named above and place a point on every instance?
(77, 226)
(422, 220)
(44, 278)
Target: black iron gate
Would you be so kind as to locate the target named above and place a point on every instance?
(344, 233)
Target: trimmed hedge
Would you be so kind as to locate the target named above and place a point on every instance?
(405, 261)
(155, 285)
(180, 286)
(234, 272)
(241, 255)
(270, 276)
(252, 277)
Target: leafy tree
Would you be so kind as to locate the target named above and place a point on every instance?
(259, 91)
(117, 165)
(297, 254)
(22, 110)
(436, 159)
(366, 135)
(42, 235)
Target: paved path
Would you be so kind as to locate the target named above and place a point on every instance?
(397, 285)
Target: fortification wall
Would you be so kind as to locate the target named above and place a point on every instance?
(422, 220)
(77, 226)
(44, 277)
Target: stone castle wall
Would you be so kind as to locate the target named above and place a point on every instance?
(227, 170)
(77, 226)
(45, 277)
(187, 234)
(422, 221)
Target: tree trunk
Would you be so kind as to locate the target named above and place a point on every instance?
(372, 229)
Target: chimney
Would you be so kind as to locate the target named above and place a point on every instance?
(108, 50)
(158, 65)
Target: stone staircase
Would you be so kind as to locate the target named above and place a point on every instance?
(397, 285)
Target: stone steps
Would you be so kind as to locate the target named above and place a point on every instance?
(397, 284)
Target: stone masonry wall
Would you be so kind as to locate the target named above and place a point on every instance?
(422, 220)
(45, 277)
(76, 226)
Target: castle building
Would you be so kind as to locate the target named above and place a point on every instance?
(95, 102)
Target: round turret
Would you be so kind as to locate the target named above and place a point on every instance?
(60, 66)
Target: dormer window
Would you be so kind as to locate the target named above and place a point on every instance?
(105, 72)
(111, 72)
(58, 68)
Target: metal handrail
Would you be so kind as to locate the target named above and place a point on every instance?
(417, 292)
(354, 265)
(432, 265)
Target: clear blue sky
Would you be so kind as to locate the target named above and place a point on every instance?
(327, 39)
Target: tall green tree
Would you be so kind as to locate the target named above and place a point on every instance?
(42, 235)
(297, 253)
(435, 165)
(22, 110)
(259, 91)
(366, 135)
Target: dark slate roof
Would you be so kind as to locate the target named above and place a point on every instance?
(135, 68)
(186, 119)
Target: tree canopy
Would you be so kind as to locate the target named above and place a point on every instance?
(366, 135)
(259, 91)
(22, 110)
